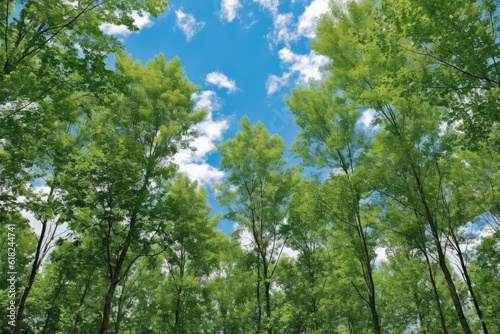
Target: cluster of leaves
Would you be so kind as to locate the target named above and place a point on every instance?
(396, 230)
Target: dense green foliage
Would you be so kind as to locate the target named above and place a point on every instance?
(397, 230)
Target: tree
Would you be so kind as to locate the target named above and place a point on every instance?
(119, 176)
(16, 242)
(257, 192)
(486, 275)
(307, 279)
(370, 69)
(329, 140)
(50, 50)
(189, 255)
(231, 290)
(459, 39)
(408, 298)
(52, 57)
(45, 202)
(67, 295)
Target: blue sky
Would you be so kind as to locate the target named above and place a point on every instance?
(245, 55)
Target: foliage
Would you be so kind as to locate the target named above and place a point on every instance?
(389, 227)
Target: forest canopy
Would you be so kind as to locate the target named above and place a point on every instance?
(390, 228)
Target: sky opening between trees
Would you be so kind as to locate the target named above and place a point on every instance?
(257, 167)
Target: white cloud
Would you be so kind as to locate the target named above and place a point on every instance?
(140, 21)
(270, 5)
(286, 29)
(73, 4)
(229, 10)
(283, 30)
(381, 253)
(202, 172)
(188, 24)
(303, 67)
(308, 20)
(207, 99)
(193, 163)
(221, 80)
(276, 249)
(290, 252)
(367, 118)
(306, 66)
(275, 83)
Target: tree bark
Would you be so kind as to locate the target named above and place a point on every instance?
(31, 280)
(39, 254)
(78, 317)
(52, 308)
(441, 255)
(468, 282)
(259, 307)
(267, 286)
(108, 301)
(368, 273)
(436, 294)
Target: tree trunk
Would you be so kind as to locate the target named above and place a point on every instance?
(119, 312)
(31, 279)
(468, 281)
(39, 254)
(178, 305)
(108, 301)
(80, 304)
(432, 278)
(419, 314)
(259, 307)
(436, 294)
(267, 286)
(52, 308)
(115, 273)
(441, 255)
(368, 273)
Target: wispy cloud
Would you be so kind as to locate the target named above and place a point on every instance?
(275, 83)
(367, 118)
(222, 81)
(194, 163)
(270, 5)
(306, 66)
(309, 19)
(229, 10)
(302, 67)
(188, 24)
(140, 21)
(283, 31)
(287, 28)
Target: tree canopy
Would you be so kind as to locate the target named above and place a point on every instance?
(387, 227)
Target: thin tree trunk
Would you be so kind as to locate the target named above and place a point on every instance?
(119, 312)
(178, 304)
(349, 325)
(365, 261)
(419, 313)
(441, 255)
(259, 308)
(468, 281)
(432, 278)
(51, 309)
(31, 280)
(80, 304)
(436, 294)
(115, 273)
(107, 305)
(39, 254)
(267, 286)
(368, 274)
